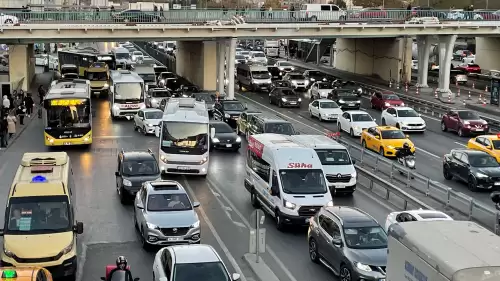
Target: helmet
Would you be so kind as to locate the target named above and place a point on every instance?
(121, 262)
(406, 145)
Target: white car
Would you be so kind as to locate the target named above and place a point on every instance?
(415, 215)
(8, 19)
(285, 66)
(324, 110)
(405, 118)
(246, 54)
(414, 64)
(258, 57)
(137, 56)
(320, 90)
(355, 121)
(469, 59)
(147, 119)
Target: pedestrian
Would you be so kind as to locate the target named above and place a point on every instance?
(41, 93)
(262, 11)
(29, 103)
(4, 131)
(6, 102)
(292, 11)
(270, 12)
(11, 123)
(224, 10)
(112, 9)
(21, 110)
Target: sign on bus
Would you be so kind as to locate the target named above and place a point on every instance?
(67, 102)
(255, 146)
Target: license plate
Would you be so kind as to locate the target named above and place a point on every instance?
(182, 168)
(293, 103)
(67, 143)
(351, 104)
(173, 239)
(497, 183)
(229, 145)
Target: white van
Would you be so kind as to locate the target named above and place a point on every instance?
(253, 77)
(322, 12)
(285, 179)
(336, 160)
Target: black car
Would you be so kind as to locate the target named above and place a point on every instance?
(262, 124)
(134, 168)
(225, 137)
(276, 73)
(352, 86)
(228, 111)
(477, 168)
(136, 16)
(281, 84)
(284, 97)
(346, 99)
(315, 75)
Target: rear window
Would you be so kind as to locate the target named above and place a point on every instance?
(473, 65)
(432, 216)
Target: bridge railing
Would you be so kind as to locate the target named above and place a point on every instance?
(251, 16)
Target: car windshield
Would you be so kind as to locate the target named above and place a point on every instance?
(166, 75)
(334, 156)
(297, 77)
(137, 53)
(483, 161)
(170, 45)
(361, 118)
(122, 56)
(240, 57)
(233, 106)
(160, 94)
(390, 97)
(473, 65)
(365, 237)
(328, 104)
(284, 63)
(150, 77)
(205, 98)
(279, 128)
(261, 74)
(314, 73)
(221, 128)
(407, 113)
(303, 181)
(207, 271)
(154, 115)
(128, 92)
(139, 168)
(38, 215)
(97, 76)
(168, 202)
(288, 92)
(393, 134)
(324, 86)
(468, 115)
(259, 55)
(68, 113)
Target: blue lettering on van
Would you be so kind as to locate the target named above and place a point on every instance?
(409, 267)
(412, 270)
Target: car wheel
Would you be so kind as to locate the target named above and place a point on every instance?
(339, 127)
(279, 221)
(280, 104)
(144, 243)
(397, 126)
(383, 122)
(363, 144)
(239, 86)
(443, 127)
(270, 101)
(135, 126)
(121, 194)
(319, 118)
(253, 200)
(381, 152)
(144, 131)
(345, 273)
(471, 183)
(8, 21)
(446, 173)
(351, 132)
(311, 114)
(460, 132)
(313, 250)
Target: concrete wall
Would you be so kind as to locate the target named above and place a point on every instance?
(196, 61)
(22, 65)
(383, 57)
(488, 52)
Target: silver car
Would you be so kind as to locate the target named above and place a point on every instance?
(298, 81)
(155, 96)
(164, 215)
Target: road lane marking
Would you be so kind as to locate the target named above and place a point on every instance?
(111, 137)
(282, 266)
(226, 209)
(223, 246)
(461, 144)
(311, 127)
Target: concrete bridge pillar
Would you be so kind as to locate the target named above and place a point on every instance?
(221, 56)
(230, 68)
(423, 50)
(446, 44)
(22, 66)
(195, 61)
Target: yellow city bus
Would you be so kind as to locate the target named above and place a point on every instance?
(84, 59)
(67, 113)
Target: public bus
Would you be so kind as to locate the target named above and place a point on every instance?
(67, 113)
(85, 58)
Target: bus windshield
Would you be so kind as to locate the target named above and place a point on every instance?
(97, 76)
(128, 92)
(122, 56)
(38, 215)
(148, 77)
(184, 138)
(68, 115)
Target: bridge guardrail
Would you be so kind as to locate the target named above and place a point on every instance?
(257, 16)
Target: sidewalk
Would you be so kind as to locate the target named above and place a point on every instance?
(40, 79)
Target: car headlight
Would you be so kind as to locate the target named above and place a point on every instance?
(281, 68)
(238, 139)
(196, 225)
(292, 68)
(363, 267)
(127, 182)
(390, 147)
(149, 125)
(360, 90)
(115, 107)
(481, 175)
(215, 140)
(402, 104)
(163, 159)
(341, 101)
(154, 100)
(288, 205)
(106, 85)
(283, 99)
(300, 100)
(356, 128)
(358, 101)
(162, 81)
(306, 82)
(466, 122)
(387, 104)
(227, 115)
(134, 58)
(203, 161)
(330, 204)
(152, 226)
(68, 248)
(312, 79)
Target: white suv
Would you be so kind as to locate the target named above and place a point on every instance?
(404, 118)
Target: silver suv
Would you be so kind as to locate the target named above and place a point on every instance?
(349, 242)
(164, 215)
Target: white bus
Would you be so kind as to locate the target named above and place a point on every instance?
(126, 94)
(184, 137)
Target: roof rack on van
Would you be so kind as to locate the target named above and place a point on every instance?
(44, 159)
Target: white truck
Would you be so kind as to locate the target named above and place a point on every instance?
(271, 48)
(442, 251)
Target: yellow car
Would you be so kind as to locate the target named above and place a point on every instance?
(385, 140)
(487, 143)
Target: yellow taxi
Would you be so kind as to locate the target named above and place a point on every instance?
(385, 140)
(25, 274)
(487, 143)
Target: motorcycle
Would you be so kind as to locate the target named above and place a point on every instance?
(118, 275)
(408, 162)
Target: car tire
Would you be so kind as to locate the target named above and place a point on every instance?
(443, 127)
(278, 220)
(345, 273)
(383, 122)
(8, 21)
(280, 104)
(339, 127)
(313, 250)
(460, 132)
(311, 114)
(319, 118)
(135, 126)
(446, 173)
(239, 86)
(381, 152)
(121, 194)
(351, 132)
(253, 199)
(270, 101)
(398, 126)
(472, 184)
(144, 243)
(144, 131)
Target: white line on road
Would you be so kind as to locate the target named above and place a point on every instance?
(111, 137)
(247, 224)
(309, 126)
(223, 246)
(461, 144)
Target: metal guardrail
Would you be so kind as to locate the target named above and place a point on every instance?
(251, 16)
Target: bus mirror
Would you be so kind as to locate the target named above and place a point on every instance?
(212, 132)
(157, 132)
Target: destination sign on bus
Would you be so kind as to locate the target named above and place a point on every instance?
(104, 58)
(67, 102)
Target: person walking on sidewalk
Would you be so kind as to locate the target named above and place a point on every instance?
(11, 123)
(29, 103)
(4, 131)
(6, 102)
(21, 110)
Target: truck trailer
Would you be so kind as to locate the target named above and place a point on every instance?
(442, 251)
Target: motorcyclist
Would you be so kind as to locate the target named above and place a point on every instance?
(121, 264)
(404, 151)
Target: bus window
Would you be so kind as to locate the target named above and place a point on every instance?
(69, 116)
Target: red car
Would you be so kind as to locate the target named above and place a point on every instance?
(464, 122)
(470, 68)
(383, 100)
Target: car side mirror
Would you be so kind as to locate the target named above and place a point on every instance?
(337, 242)
(196, 204)
(112, 88)
(353, 162)
(117, 173)
(374, 120)
(142, 118)
(236, 276)
(212, 132)
(377, 137)
(139, 205)
(393, 115)
(78, 228)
